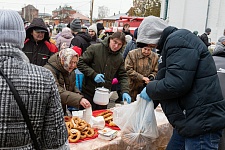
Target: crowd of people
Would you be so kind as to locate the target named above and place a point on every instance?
(169, 66)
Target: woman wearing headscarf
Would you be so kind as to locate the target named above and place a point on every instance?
(62, 66)
(141, 65)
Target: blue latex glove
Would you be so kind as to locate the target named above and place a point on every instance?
(99, 78)
(144, 95)
(127, 97)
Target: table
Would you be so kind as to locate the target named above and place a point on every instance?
(165, 132)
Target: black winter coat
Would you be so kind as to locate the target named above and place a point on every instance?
(81, 40)
(187, 85)
(205, 39)
(38, 52)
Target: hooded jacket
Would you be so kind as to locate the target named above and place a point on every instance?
(99, 58)
(65, 37)
(65, 82)
(38, 52)
(187, 85)
(81, 40)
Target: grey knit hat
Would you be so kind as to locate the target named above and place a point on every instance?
(11, 28)
(75, 25)
(150, 30)
(94, 28)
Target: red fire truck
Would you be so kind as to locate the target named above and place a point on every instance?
(134, 22)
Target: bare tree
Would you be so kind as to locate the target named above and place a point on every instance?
(103, 12)
(146, 8)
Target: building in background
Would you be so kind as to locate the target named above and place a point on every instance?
(29, 12)
(62, 14)
(195, 15)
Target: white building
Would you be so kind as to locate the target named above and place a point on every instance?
(195, 15)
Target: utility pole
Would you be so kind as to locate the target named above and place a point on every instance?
(24, 12)
(91, 11)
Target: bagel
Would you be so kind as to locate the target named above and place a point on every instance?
(90, 132)
(83, 135)
(107, 115)
(74, 135)
(105, 112)
(112, 124)
(81, 125)
(108, 118)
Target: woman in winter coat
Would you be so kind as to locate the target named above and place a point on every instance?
(64, 40)
(62, 66)
(37, 90)
(99, 63)
(141, 65)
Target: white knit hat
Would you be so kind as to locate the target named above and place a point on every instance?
(11, 28)
(94, 28)
(150, 30)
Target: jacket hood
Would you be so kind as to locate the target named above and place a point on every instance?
(66, 33)
(37, 23)
(166, 32)
(85, 36)
(150, 30)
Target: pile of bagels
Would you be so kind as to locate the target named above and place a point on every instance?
(78, 129)
(107, 115)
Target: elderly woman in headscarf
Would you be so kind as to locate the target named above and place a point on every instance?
(62, 66)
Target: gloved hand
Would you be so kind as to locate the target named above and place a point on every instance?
(99, 78)
(144, 95)
(127, 97)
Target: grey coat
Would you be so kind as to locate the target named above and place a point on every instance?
(37, 89)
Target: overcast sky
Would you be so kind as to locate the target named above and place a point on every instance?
(82, 6)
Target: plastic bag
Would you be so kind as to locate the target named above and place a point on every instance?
(139, 123)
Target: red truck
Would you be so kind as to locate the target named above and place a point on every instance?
(134, 23)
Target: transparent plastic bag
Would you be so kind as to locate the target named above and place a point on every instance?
(121, 113)
(140, 127)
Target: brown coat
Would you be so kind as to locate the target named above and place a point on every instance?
(138, 66)
(65, 81)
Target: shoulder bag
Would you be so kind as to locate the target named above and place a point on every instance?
(23, 110)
